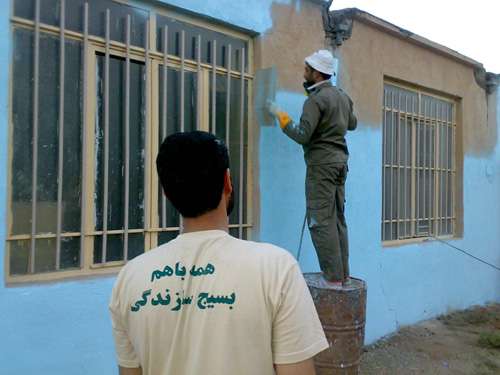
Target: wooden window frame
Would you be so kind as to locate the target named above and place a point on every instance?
(93, 45)
(415, 118)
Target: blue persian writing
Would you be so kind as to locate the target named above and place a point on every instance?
(180, 271)
(204, 300)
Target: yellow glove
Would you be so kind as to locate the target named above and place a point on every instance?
(283, 118)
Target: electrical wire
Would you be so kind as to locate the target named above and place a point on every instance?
(466, 253)
(437, 239)
(301, 238)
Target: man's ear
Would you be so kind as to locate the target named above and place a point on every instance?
(228, 184)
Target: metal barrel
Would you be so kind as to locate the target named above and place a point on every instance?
(342, 311)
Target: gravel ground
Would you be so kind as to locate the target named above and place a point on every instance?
(463, 342)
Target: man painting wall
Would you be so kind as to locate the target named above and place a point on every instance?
(326, 117)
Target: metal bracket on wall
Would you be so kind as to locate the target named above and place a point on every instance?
(337, 24)
(486, 80)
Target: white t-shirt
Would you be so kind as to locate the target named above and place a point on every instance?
(208, 303)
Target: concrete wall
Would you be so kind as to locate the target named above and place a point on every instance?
(63, 327)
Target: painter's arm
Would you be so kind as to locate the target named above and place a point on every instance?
(130, 371)
(353, 121)
(302, 132)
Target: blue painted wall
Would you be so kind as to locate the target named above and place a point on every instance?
(64, 328)
(406, 284)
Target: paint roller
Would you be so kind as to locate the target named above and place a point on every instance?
(265, 83)
(266, 111)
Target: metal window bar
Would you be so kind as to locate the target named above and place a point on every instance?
(424, 163)
(398, 164)
(446, 145)
(446, 169)
(36, 58)
(183, 36)
(384, 163)
(400, 189)
(198, 74)
(414, 164)
(392, 163)
(413, 173)
(443, 172)
(147, 89)
(60, 168)
(127, 141)
(405, 180)
(433, 167)
(448, 180)
(164, 118)
(84, 125)
(437, 170)
(454, 169)
(228, 95)
(446, 166)
(242, 140)
(448, 172)
(214, 85)
(418, 161)
(106, 140)
(434, 197)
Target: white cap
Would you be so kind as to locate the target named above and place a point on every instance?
(322, 61)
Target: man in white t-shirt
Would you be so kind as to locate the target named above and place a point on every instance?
(207, 303)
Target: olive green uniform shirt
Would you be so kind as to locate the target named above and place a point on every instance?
(326, 117)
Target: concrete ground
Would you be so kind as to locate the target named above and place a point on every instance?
(463, 342)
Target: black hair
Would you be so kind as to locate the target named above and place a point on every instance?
(191, 167)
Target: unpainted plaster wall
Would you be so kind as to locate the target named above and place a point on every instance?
(296, 32)
(372, 54)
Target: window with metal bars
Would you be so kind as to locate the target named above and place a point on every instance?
(93, 94)
(419, 167)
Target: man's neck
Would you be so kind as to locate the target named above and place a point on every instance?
(312, 87)
(213, 220)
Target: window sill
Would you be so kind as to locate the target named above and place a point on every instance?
(416, 241)
(61, 276)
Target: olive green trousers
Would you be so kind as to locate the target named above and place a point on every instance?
(325, 197)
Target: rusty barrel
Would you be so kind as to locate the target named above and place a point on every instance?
(342, 311)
